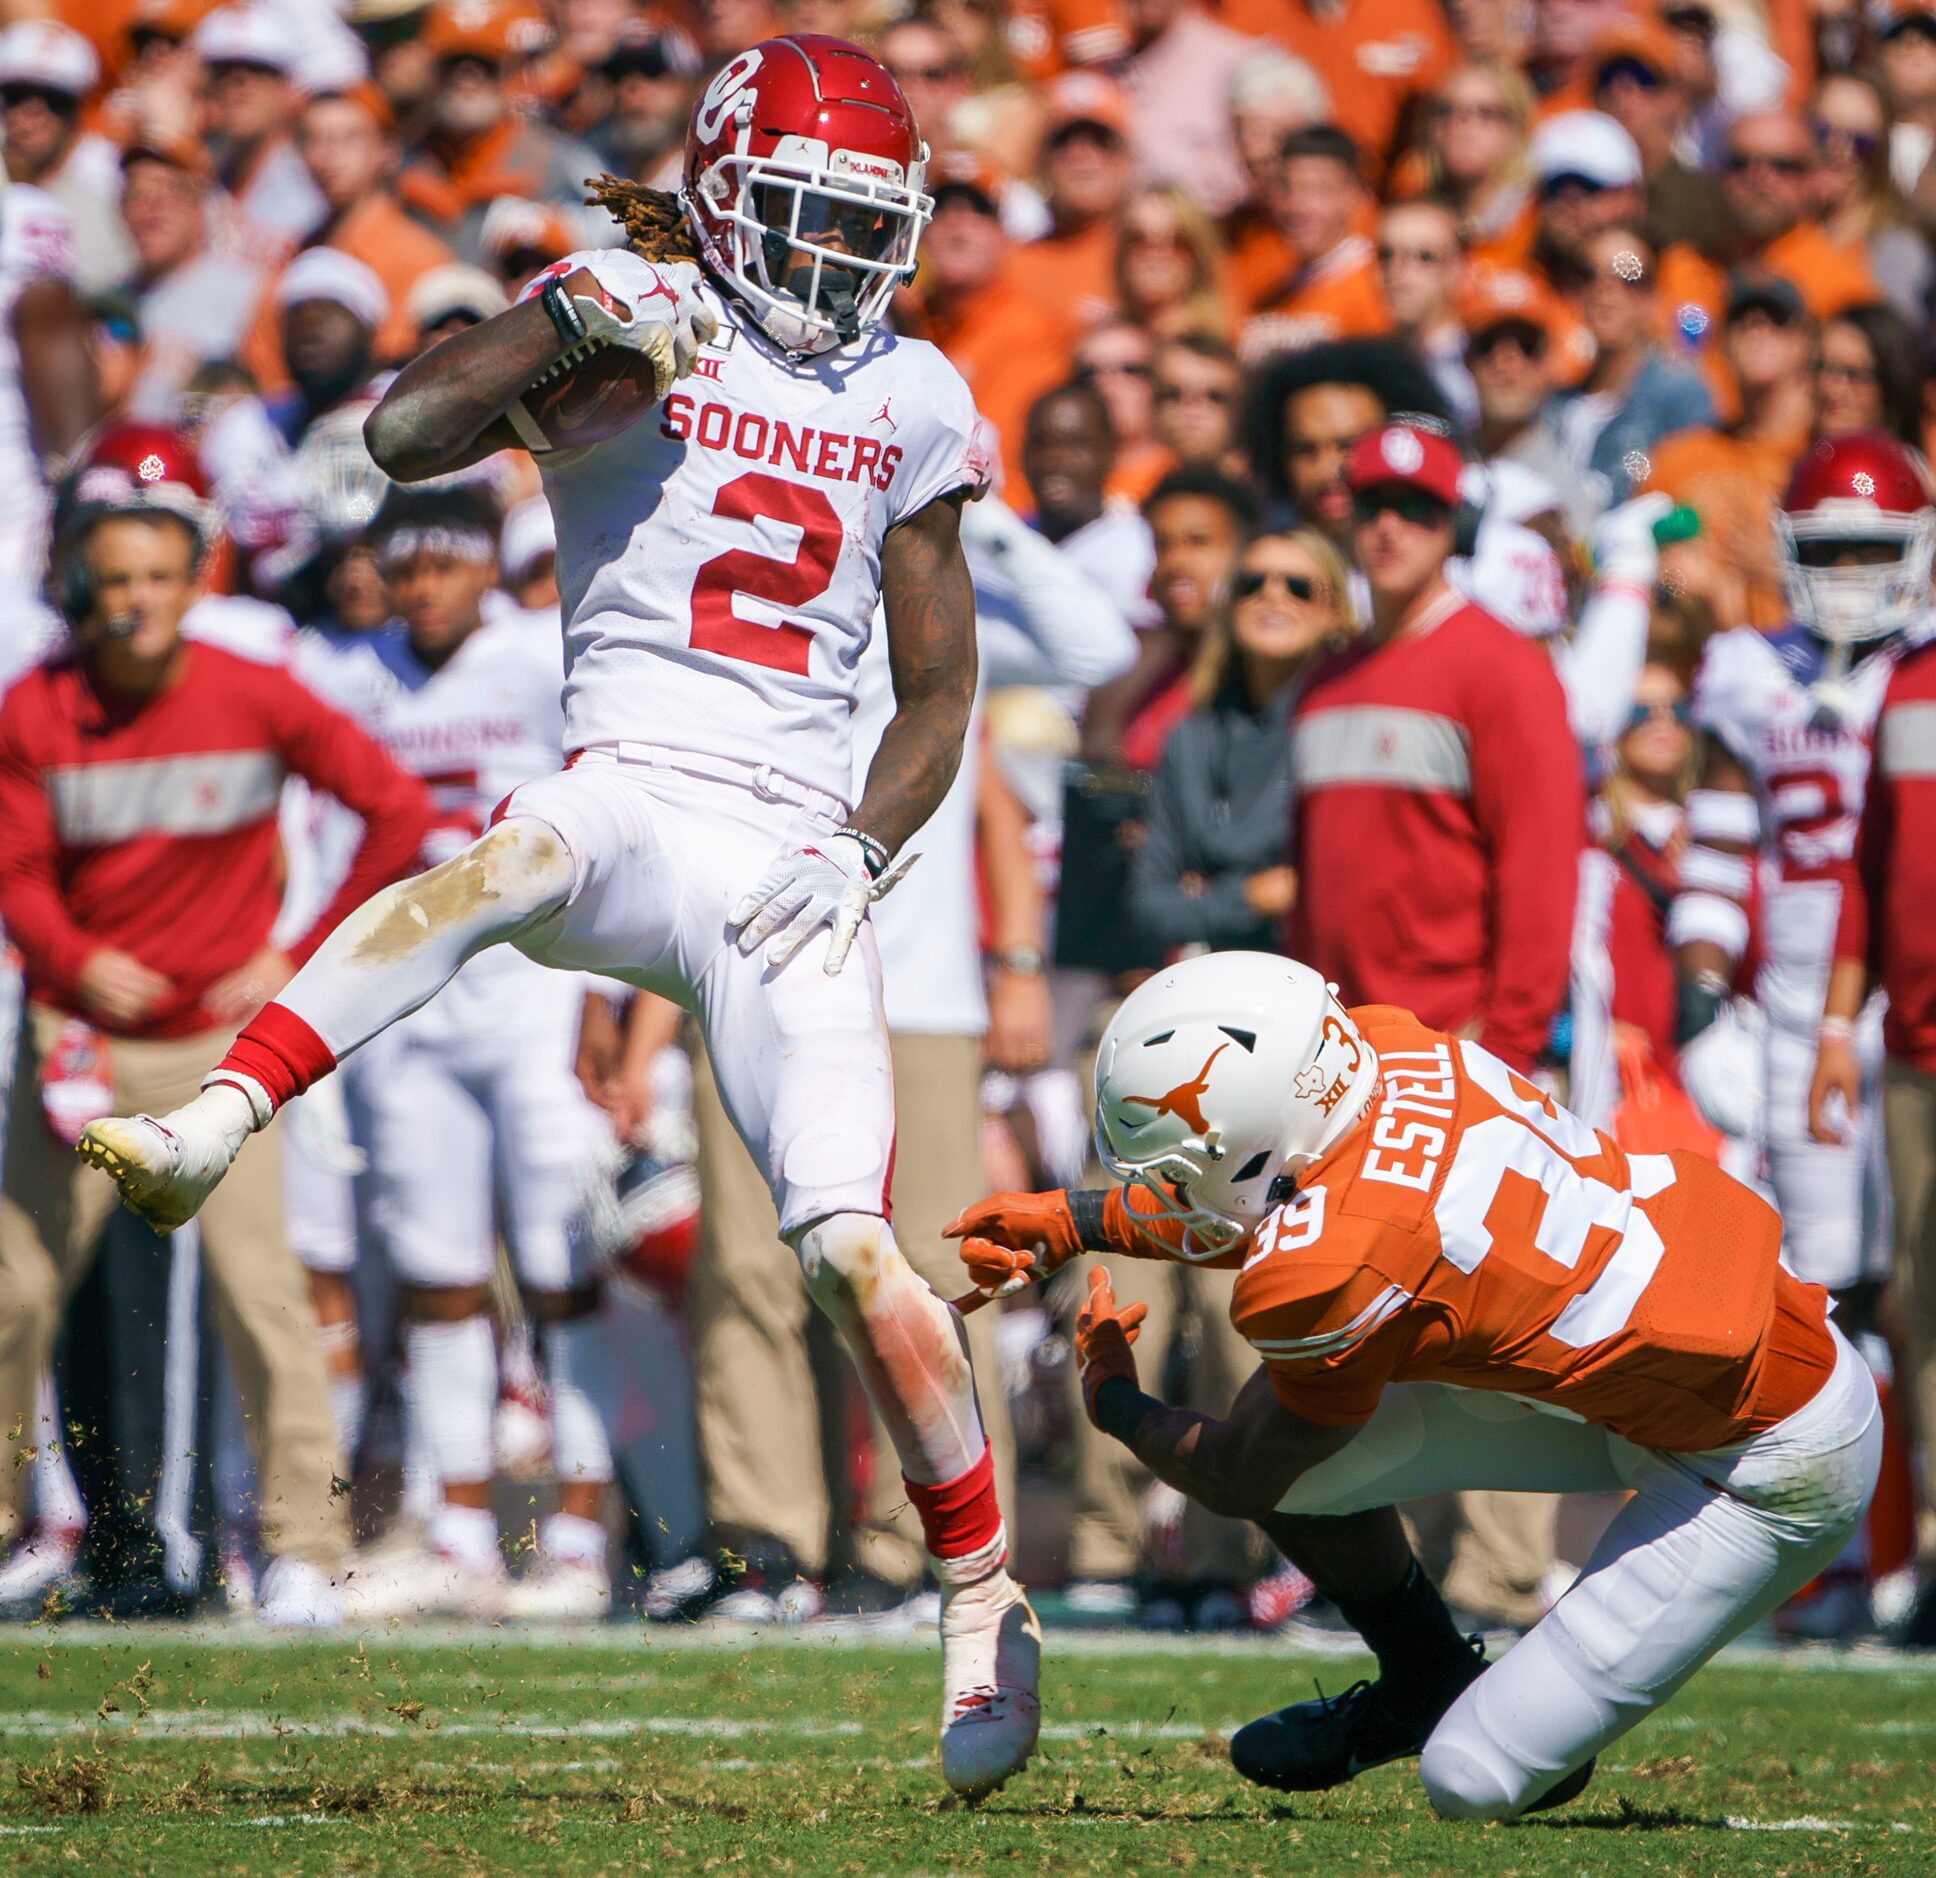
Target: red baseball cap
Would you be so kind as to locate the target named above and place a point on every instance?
(1409, 454)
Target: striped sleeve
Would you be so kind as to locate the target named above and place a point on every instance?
(1331, 1336)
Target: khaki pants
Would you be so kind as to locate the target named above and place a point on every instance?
(1490, 1552)
(1106, 1540)
(747, 1311)
(1909, 1131)
(52, 1210)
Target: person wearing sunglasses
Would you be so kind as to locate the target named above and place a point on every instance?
(1118, 359)
(1870, 374)
(1766, 192)
(1197, 385)
(1854, 199)
(1420, 261)
(1211, 869)
(1907, 57)
(1635, 83)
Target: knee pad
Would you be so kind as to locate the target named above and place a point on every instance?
(843, 1255)
(1463, 1784)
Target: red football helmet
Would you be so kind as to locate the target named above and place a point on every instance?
(1857, 535)
(142, 466)
(803, 184)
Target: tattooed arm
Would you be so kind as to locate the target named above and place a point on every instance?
(931, 652)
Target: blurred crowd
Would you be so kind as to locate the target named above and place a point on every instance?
(1617, 264)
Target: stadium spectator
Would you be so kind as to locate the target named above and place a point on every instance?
(1908, 61)
(47, 73)
(1333, 291)
(271, 195)
(1886, 938)
(1477, 133)
(1210, 870)
(479, 147)
(330, 309)
(651, 76)
(1086, 176)
(1376, 58)
(1005, 343)
(347, 143)
(1854, 199)
(1197, 388)
(449, 298)
(142, 900)
(1870, 374)
(1271, 96)
(1118, 359)
(1165, 266)
(1587, 173)
(1177, 79)
(1419, 267)
(1636, 83)
(193, 304)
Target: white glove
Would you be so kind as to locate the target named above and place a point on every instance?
(805, 888)
(1722, 1072)
(653, 307)
(1624, 548)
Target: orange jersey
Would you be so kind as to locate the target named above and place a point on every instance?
(1472, 1232)
(1337, 297)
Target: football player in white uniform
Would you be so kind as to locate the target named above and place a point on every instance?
(1788, 718)
(473, 1099)
(718, 565)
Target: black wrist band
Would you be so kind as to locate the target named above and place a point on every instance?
(1121, 1409)
(564, 316)
(1085, 1209)
(874, 854)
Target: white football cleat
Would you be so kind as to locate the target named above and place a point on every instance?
(165, 1169)
(296, 1595)
(43, 1561)
(991, 1665)
(425, 1583)
(559, 1591)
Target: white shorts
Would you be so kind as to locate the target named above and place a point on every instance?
(661, 855)
(474, 1121)
(1833, 1197)
(1708, 1544)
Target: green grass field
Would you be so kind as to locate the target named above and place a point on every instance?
(170, 1752)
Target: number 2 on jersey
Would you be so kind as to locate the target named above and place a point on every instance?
(781, 584)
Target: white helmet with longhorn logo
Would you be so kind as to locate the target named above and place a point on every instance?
(1220, 1080)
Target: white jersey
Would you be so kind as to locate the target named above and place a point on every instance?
(36, 243)
(719, 561)
(1810, 770)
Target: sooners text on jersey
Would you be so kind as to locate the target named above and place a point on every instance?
(719, 561)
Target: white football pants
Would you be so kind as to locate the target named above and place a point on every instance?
(1709, 1544)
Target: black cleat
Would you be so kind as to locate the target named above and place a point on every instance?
(1314, 1745)
(1568, 1789)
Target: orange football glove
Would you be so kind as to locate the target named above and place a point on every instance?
(1104, 1336)
(999, 1236)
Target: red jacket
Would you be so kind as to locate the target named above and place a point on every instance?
(1889, 907)
(150, 825)
(1440, 812)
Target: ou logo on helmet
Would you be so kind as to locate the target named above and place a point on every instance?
(724, 93)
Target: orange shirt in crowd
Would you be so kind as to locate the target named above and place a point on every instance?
(1733, 484)
(1693, 288)
(1374, 56)
(396, 249)
(1046, 37)
(1337, 297)
(1257, 262)
(1072, 275)
(1010, 349)
(1421, 1249)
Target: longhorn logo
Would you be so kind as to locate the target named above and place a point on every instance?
(1185, 1101)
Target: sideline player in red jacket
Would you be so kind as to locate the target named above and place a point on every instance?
(139, 779)
(1441, 806)
(1453, 1283)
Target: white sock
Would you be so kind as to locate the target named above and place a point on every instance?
(576, 1541)
(227, 1110)
(346, 1403)
(467, 1533)
(453, 1390)
(57, 1498)
(584, 1366)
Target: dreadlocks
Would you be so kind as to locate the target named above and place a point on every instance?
(655, 225)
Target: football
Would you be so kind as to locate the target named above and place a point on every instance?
(593, 392)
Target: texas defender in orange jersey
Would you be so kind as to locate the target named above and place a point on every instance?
(1453, 1283)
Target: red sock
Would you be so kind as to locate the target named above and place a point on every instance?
(279, 1051)
(959, 1516)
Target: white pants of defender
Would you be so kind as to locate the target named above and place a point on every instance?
(1709, 1544)
(1833, 1196)
(474, 1120)
(662, 846)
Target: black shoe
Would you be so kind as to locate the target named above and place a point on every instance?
(1568, 1789)
(1314, 1745)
